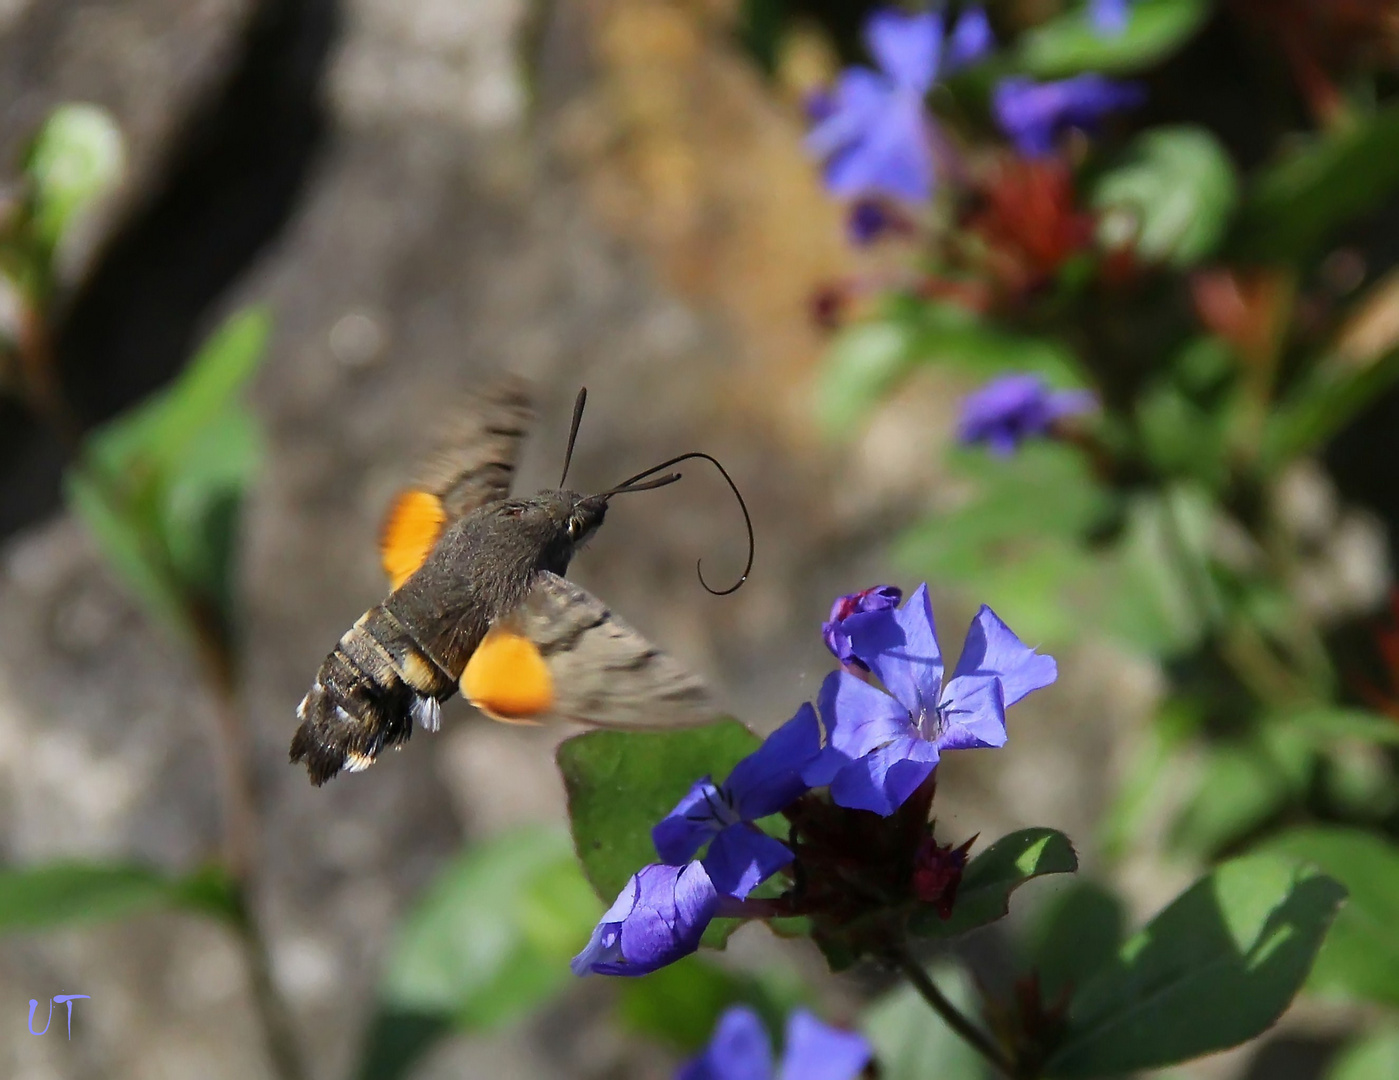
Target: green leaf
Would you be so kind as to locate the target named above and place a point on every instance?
(159, 434)
(861, 366)
(1360, 959)
(492, 937)
(1329, 725)
(398, 1039)
(1296, 206)
(911, 1042)
(77, 157)
(1213, 970)
(132, 546)
(1148, 790)
(1174, 195)
(1070, 43)
(61, 894)
(1169, 596)
(69, 893)
(952, 336)
(1077, 932)
(161, 487)
(1374, 1057)
(1321, 405)
(621, 783)
(1237, 788)
(990, 878)
(202, 503)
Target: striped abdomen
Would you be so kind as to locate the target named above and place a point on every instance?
(367, 694)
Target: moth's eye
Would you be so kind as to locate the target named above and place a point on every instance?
(574, 527)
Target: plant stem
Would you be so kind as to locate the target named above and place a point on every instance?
(272, 1011)
(240, 847)
(977, 1039)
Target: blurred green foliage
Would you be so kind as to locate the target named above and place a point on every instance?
(161, 487)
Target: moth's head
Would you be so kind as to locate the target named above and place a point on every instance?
(568, 517)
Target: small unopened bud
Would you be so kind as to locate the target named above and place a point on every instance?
(937, 871)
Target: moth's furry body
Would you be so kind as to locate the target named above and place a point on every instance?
(480, 604)
(405, 656)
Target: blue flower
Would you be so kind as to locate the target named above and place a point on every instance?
(971, 40)
(1109, 17)
(741, 1050)
(768, 780)
(876, 599)
(873, 131)
(1008, 410)
(882, 747)
(658, 918)
(1034, 115)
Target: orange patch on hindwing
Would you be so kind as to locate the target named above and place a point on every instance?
(411, 530)
(507, 678)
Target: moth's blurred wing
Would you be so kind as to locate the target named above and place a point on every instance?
(562, 655)
(473, 464)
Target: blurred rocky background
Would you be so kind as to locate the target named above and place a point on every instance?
(427, 192)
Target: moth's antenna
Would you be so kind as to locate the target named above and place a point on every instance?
(573, 431)
(631, 484)
(649, 485)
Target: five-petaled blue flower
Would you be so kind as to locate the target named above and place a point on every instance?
(873, 131)
(1109, 17)
(1035, 115)
(882, 747)
(1012, 408)
(741, 1050)
(833, 629)
(658, 918)
(740, 854)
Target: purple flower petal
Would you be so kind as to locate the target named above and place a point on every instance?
(1034, 115)
(816, 1051)
(901, 647)
(971, 39)
(741, 858)
(858, 99)
(973, 713)
(739, 1050)
(893, 156)
(1012, 408)
(907, 47)
(1109, 17)
(770, 779)
(1069, 403)
(883, 779)
(993, 649)
(659, 916)
(879, 598)
(858, 718)
(696, 819)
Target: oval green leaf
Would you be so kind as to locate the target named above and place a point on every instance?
(1360, 960)
(1213, 970)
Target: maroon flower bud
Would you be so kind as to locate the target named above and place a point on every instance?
(937, 871)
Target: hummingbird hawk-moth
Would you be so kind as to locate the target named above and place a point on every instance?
(480, 604)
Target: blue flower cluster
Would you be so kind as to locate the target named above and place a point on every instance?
(1008, 410)
(872, 747)
(872, 130)
(741, 1050)
(877, 139)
